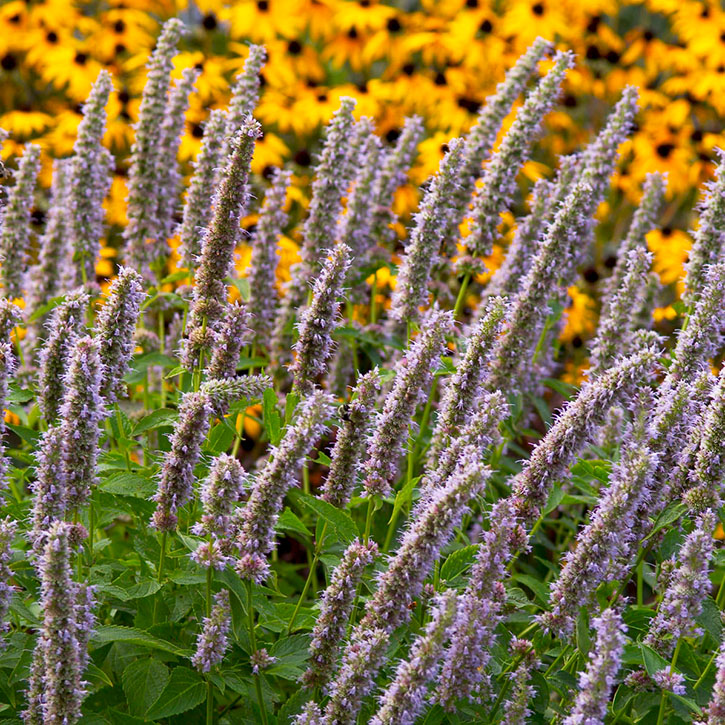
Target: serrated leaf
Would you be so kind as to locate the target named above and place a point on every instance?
(458, 562)
(340, 520)
(653, 662)
(184, 691)
(289, 521)
(270, 416)
(129, 484)
(157, 419)
(143, 681)
(114, 633)
(710, 619)
(537, 587)
(144, 588)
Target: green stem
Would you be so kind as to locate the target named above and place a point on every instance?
(253, 643)
(305, 478)
(209, 685)
(461, 295)
(91, 532)
(308, 581)
(162, 556)
(706, 670)
(408, 478)
(369, 520)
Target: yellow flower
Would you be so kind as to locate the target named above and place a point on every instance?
(670, 248)
(581, 316)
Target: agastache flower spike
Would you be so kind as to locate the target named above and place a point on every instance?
(709, 243)
(8, 528)
(142, 202)
(44, 278)
(361, 661)
(310, 715)
(576, 423)
(461, 391)
(263, 295)
(707, 474)
(85, 620)
(15, 229)
(90, 180)
(546, 198)
(604, 541)
(169, 178)
(412, 377)
(64, 326)
(10, 316)
(82, 411)
(472, 634)
(317, 322)
(404, 699)
(597, 681)
(499, 179)
(220, 491)
(335, 608)
(245, 94)
(431, 221)
(232, 336)
(213, 640)
(177, 472)
(393, 173)
(716, 708)
(197, 210)
(57, 659)
(481, 138)
(618, 323)
(115, 327)
(257, 519)
(350, 443)
(223, 392)
(516, 708)
(643, 221)
(687, 588)
(7, 368)
(50, 488)
(220, 239)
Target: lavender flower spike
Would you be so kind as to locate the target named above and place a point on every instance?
(687, 588)
(115, 326)
(431, 221)
(142, 202)
(709, 237)
(10, 316)
(310, 715)
(197, 210)
(499, 179)
(317, 321)
(82, 411)
(233, 335)
(7, 368)
(412, 377)
(90, 180)
(213, 640)
(617, 325)
(257, 519)
(64, 326)
(516, 709)
(169, 178)
(245, 94)
(350, 443)
(15, 230)
(404, 699)
(177, 472)
(461, 391)
(335, 609)
(574, 426)
(595, 684)
(220, 240)
(50, 488)
(263, 295)
(8, 529)
(57, 689)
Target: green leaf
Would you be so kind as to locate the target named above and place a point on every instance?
(46, 308)
(403, 497)
(671, 514)
(540, 700)
(184, 691)
(555, 498)
(19, 395)
(113, 633)
(583, 640)
(340, 520)
(653, 662)
(271, 417)
(242, 286)
(143, 681)
(220, 438)
(175, 276)
(710, 619)
(539, 589)
(158, 419)
(458, 562)
(289, 521)
(144, 588)
(129, 484)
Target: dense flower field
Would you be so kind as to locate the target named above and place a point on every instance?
(362, 363)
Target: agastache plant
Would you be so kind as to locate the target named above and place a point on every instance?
(213, 640)
(8, 365)
(232, 336)
(8, 529)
